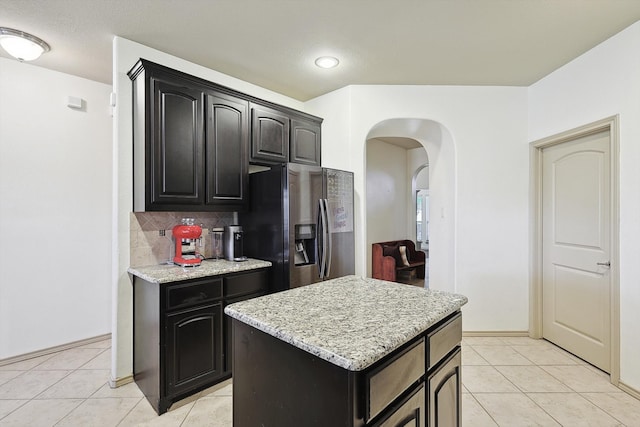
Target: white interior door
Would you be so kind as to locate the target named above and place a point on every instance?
(575, 249)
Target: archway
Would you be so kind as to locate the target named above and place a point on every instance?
(439, 146)
(419, 223)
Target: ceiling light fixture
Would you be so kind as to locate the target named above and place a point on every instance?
(21, 45)
(327, 62)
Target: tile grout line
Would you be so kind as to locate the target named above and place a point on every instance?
(68, 413)
(601, 408)
(130, 411)
(525, 393)
(15, 409)
(484, 409)
(69, 372)
(578, 362)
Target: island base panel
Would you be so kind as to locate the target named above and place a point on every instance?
(278, 385)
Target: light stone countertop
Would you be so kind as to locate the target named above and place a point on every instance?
(166, 273)
(351, 321)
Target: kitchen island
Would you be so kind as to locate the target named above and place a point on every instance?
(347, 352)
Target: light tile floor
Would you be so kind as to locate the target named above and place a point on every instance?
(506, 382)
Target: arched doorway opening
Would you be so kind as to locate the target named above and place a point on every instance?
(387, 181)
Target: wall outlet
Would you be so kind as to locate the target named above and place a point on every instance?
(162, 233)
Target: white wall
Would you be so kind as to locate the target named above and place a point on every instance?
(485, 215)
(55, 209)
(125, 54)
(601, 83)
(387, 191)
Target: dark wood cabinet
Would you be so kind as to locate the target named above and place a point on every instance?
(279, 136)
(193, 141)
(409, 412)
(181, 338)
(269, 135)
(174, 153)
(226, 151)
(444, 388)
(194, 348)
(190, 143)
(305, 142)
(417, 384)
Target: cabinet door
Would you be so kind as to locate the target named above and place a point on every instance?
(176, 145)
(305, 142)
(444, 394)
(194, 348)
(226, 150)
(269, 135)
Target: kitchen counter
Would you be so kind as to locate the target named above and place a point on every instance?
(351, 322)
(166, 273)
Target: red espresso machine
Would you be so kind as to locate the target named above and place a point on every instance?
(186, 237)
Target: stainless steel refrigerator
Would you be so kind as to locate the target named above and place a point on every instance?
(301, 219)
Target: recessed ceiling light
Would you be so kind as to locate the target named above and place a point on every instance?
(327, 62)
(21, 45)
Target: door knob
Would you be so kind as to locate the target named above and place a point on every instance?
(606, 264)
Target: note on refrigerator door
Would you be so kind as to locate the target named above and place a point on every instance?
(340, 198)
(340, 216)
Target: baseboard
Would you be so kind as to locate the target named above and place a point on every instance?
(55, 349)
(629, 390)
(117, 382)
(495, 333)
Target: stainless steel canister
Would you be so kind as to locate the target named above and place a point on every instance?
(233, 250)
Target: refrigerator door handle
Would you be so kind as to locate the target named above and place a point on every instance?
(329, 246)
(322, 241)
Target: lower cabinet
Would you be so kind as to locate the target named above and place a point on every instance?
(277, 384)
(443, 398)
(410, 412)
(181, 337)
(194, 348)
(436, 400)
(391, 379)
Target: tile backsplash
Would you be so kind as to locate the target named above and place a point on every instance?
(149, 247)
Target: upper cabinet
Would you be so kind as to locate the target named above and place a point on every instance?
(278, 136)
(193, 141)
(305, 142)
(174, 152)
(269, 135)
(226, 148)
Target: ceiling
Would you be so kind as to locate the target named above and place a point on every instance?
(273, 43)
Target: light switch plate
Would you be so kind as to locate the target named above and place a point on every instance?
(74, 102)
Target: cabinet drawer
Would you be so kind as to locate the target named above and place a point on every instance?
(245, 283)
(192, 293)
(387, 382)
(444, 339)
(410, 412)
